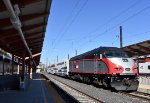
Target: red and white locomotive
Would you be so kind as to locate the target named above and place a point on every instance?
(108, 66)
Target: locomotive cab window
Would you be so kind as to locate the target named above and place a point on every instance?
(111, 54)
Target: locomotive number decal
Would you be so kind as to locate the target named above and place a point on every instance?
(125, 60)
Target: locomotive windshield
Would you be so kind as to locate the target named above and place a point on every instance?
(120, 54)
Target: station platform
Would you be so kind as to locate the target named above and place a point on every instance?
(144, 84)
(144, 88)
(37, 91)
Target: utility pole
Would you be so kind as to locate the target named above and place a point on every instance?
(3, 64)
(57, 59)
(12, 65)
(120, 36)
(49, 63)
(46, 62)
(76, 52)
(68, 57)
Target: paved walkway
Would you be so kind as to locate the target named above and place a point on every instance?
(37, 92)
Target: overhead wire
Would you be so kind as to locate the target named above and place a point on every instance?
(63, 27)
(128, 18)
(133, 35)
(72, 21)
(67, 20)
(111, 19)
(110, 29)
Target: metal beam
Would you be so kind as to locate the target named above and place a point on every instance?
(136, 51)
(35, 44)
(6, 22)
(21, 3)
(142, 47)
(22, 49)
(26, 34)
(20, 45)
(17, 38)
(29, 42)
(25, 29)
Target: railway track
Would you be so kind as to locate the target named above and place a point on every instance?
(74, 93)
(138, 95)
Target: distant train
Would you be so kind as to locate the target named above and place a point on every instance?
(61, 69)
(108, 66)
(52, 70)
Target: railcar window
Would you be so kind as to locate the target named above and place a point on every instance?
(65, 68)
(55, 68)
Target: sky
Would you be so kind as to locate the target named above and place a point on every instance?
(82, 25)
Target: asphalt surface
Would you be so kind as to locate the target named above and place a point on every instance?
(36, 92)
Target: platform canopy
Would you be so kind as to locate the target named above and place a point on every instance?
(34, 17)
(138, 49)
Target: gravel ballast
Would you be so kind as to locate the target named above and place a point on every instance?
(99, 93)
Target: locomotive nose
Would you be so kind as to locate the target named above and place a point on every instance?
(125, 84)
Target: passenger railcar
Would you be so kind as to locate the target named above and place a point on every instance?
(144, 67)
(108, 66)
(144, 74)
(63, 68)
(53, 70)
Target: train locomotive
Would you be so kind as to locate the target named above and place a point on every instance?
(108, 66)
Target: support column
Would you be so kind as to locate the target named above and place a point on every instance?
(29, 67)
(18, 67)
(23, 67)
(12, 64)
(3, 65)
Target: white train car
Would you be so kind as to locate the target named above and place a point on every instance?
(52, 70)
(48, 70)
(63, 68)
(144, 68)
(144, 76)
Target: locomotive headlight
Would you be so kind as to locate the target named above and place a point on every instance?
(117, 69)
(135, 68)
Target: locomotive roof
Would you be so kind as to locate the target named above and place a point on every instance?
(94, 51)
